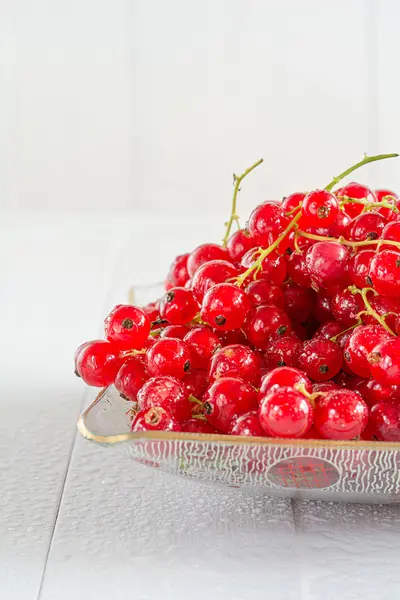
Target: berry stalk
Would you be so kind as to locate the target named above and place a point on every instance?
(364, 161)
(237, 180)
(344, 242)
(381, 320)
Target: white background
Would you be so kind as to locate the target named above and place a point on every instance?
(121, 122)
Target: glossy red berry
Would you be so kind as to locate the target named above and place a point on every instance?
(264, 322)
(198, 426)
(211, 273)
(178, 274)
(374, 392)
(329, 330)
(235, 361)
(225, 307)
(285, 412)
(367, 226)
(284, 377)
(346, 307)
(203, 254)
(202, 343)
(174, 331)
(384, 361)
(340, 226)
(168, 356)
(297, 269)
(323, 387)
(262, 291)
(127, 326)
(273, 267)
(391, 231)
(248, 425)
(289, 203)
(384, 273)
(130, 378)
(168, 393)
(98, 363)
(196, 382)
(238, 244)
(322, 308)
(358, 268)
(320, 359)
(385, 422)
(341, 415)
(266, 219)
(236, 336)
(152, 311)
(319, 209)
(380, 194)
(357, 192)
(283, 352)
(391, 198)
(360, 344)
(327, 264)
(154, 419)
(226, 399)
(178, 306)
(298, 301)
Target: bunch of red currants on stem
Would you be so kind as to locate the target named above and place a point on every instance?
(287, 329)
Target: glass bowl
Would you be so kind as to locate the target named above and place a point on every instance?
(309, 469)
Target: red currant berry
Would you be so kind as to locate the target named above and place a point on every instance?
(367, 226)
(357, 192)
(385, 422)
(322, 387)
(319, 209)
(203, 254)
(154, 419)
(273, 267)
(168, 393)
(346, 307)
(198, 426)
(248, 425)
(284, 377)
(226, 399)
(202, 343)
(341, 225)
(358, 268)
(391, 231)
(360, 344)
(236, 336)
(238, 244)
(264, 322)
(327, 264)
(267, 218)
(235, 361)
(293, 201)
(341, 415)
(98, 363)
(285, 412)
(225, 307)
(127, 326)
(320, 359)
(374, 392)
(262, 291)
(168, 356)
(196, 382)
(211, 273)
(298, 301)
(329, 330)
(152, 311)
(178, 306)
(174, 331)
(297, 269)
(283, 352)
(384, 272)
(380, 194)
(392, 198)
(178, 274)
(130, 378)
(322, 308)
(384, 361)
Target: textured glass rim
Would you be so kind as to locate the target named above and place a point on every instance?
(119, 438)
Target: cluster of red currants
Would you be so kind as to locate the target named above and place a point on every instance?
(288, 329)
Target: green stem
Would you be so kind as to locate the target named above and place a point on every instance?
(234, 216)
(368, 205)
(257, 264)
(381, 320)
(364, 161)
(335, 337)
(341, 240)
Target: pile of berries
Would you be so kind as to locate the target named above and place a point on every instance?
(287, 329)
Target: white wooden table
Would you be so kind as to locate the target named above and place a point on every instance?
(82, 522)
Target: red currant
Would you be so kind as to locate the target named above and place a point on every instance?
(127, 326)
(262, 291)
(360, 344)
(235, 361)
(341, 415)
(329, 330)
(265, 219)
(248, 425)
(298, 301)
(341, 225)
(285, 412)
(385, 422)
(174, 331)
(356, 191)
(283, 352)
(178, 274)
(327, 264)
(293, 201)
(264, 322)
(202, 343)
(297, 269)
(196, 382)
(211, 273)
(322, 308)
(168, 393)
(284, 377)
(236, 336)
(346, 307)
(273, 267)
(323, 387)
(168, 356)
(384, 272)
(130, 378)
(225, 307)
(238, 244)
(226, 399)
(384, 361)
(98, 363)
(374, 392)
(358, 268)
(198, 426)
(154, 419)
(319, 209)
(367, 226)
(203, 254)
(391, 231)
(320, 359)
(178, 306)
(392, 197)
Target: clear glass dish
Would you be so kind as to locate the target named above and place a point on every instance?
(310, 469)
